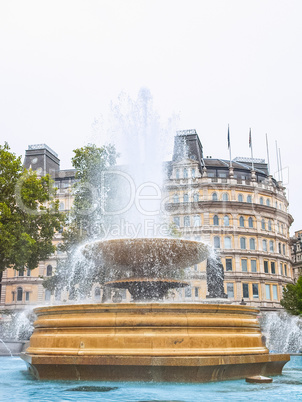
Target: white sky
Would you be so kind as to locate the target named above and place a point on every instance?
(213, 62)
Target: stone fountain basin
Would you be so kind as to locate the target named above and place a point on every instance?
(144, 255)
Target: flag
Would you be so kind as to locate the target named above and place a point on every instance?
(250, 139)
(229, 142)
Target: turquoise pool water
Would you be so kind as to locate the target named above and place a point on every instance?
(17, 385)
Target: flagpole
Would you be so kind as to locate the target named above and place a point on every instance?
(267, 152)
(251, 146)
(229, 146)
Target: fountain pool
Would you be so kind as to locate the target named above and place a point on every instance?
(17, 385)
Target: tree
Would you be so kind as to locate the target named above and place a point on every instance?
(292, 298)
(92, 193)
(29, 214)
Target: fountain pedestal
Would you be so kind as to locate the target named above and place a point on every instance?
(149, 342)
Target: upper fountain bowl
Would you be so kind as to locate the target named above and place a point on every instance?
(144, 255)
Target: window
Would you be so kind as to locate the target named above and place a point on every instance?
(268, 292)
(230, 290)
(266, 267)
(240, 197)
(252, 244)
(195, 267)
(196, 292)
(249, 198)
(61, 206)
(253, 265)
(245, 290)
(26, 296)
(282, 229)
(177, 173)
(188, 292)
(285, 270)
(283, 248)
(214, 197)
(215, 220)
(268, 203)
(197, 221)
(255, 290)
(227, 242)
(243, 243)
(269, 225)
(273, 267)
(251, 222)
(261, 200)
(264, 245)
(196, 197)
(21, 272)
(244, 265)
(225, 197)
(49, 270)
(19, 294)
(241, 221)
(279, 248)
(28, 272)
(271, 246)
(176, 198)
(187, 221)
(186, 198)
(13, 295)
(97, 293)
(193, 173)
(47, 295)
(226, 221)
(216, 242)
(278, 226)
(185, 173)
(263, 224)
(275, 292)
(228, 264)
(281, 268)
(176, 221)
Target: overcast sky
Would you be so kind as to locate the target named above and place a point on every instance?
(213, 63)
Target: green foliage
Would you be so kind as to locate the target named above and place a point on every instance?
(85, 221)
(292, 298)
(29, 214)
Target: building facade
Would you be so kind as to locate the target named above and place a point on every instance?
(296, 250)
(236, 207)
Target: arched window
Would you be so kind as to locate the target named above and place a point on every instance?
(185, 173)
(225, 197)
(263, 224)
(175, 198)
(249, 198)
(19, 294)
(214, 197)
(227, 242)
(186, 198)
(241, 221)
(269, 225)
(251, 222)
(264, 245)
(268, 203)
(177, 173)
(226, 221)
(97, 293)
(197, 221)
(240, 197)
(196, 197)
(49, 270)
(187, 221)
(215, 220)
(193, 173)
(261, 200)
(243, 243)
(252, 244)
(216, 242)
(271, 246)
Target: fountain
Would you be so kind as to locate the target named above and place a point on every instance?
(147, 340)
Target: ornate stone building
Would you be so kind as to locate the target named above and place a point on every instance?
(296, 250)
(237, 208)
